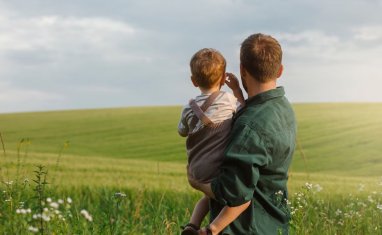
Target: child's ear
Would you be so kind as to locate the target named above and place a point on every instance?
(222, 80)
(194, 81)
(280, 72)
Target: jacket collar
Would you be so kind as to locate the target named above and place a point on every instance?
(265, 96)
(261, 98)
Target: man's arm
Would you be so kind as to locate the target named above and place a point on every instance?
(226, 216)
(236, 183)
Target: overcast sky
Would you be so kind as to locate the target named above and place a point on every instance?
(76, 54)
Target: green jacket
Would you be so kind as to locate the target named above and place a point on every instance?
(255, 166)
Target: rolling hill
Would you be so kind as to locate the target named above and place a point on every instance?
(341, 138)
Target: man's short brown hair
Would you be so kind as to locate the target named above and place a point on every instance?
(207, 67)
(261, 56)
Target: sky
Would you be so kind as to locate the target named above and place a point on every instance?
(81, 54)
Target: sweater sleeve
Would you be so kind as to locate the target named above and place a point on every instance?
(183, 128)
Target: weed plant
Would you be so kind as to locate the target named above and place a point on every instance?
(30, 204)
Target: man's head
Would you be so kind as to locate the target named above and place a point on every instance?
(207, 68)
(260, 56)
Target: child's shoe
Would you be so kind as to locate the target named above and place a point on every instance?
(190, 229)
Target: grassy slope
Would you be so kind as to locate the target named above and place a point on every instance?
(340, 138)
(136, 143)
(144, 133)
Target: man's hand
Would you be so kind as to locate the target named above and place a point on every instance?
(202, 231)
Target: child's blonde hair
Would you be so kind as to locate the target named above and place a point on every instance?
(207, 67)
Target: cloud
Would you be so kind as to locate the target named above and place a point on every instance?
(369, 33)
(325, 67)
(13, 98)
(108, 53)
(63, 35)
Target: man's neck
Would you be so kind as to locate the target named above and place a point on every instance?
(255, 87)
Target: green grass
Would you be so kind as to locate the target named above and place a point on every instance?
(138, 151)
(340, 138)
(335, 138)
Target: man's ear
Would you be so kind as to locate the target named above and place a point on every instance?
(194, 81)
(243, 72)
(281, 70)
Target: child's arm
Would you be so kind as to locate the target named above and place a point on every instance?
(233, 83)
(183, 125)
(225, 217)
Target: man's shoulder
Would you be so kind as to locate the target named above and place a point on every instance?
(271, 115)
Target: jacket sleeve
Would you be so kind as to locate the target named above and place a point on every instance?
(244, 156)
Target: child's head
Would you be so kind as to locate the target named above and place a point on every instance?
(207, 68)
(260, 56)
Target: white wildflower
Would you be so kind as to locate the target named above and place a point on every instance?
(33, 229)
(18, 211)
(308, 186)
(86, 215)
(362, 204)
(370, 199)
(60, 201)
(379, 206)
(338, 212)
(317, 188)
(45, 217)
(69, 200)
(120, 194)
(49, 200)
(54, 205)
(36, 216)
(279, 193)
(29, 211)
(8, 183)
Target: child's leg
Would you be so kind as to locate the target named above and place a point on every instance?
(201, 209)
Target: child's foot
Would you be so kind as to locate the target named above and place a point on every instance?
(190, 229)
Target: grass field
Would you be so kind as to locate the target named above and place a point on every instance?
(91, 154)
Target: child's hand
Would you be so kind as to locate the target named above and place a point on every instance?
(232, 81)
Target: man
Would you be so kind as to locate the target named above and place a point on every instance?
(251, 190)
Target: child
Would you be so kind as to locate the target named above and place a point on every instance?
(206, 122)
